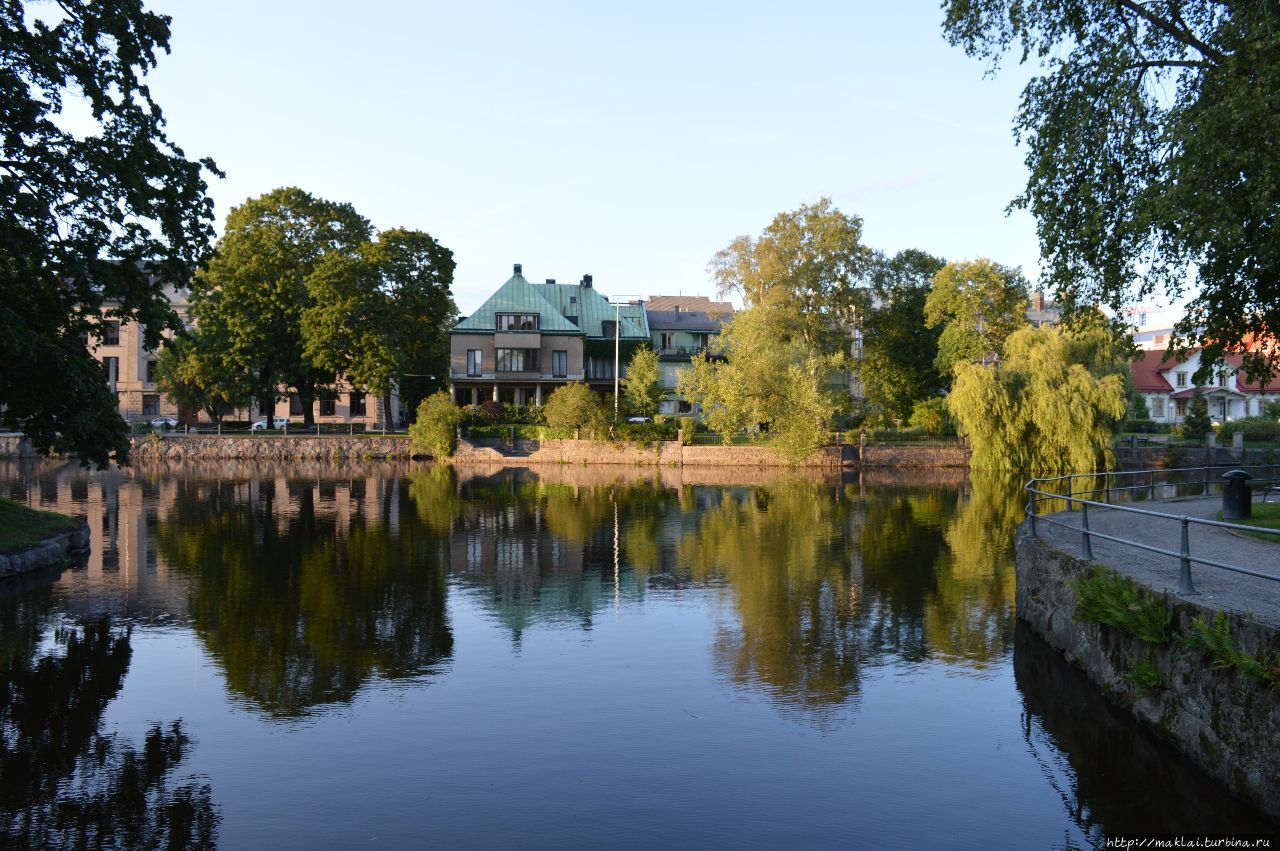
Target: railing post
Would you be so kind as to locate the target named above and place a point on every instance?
(1086, 546)
(1185, 586)
(1206, 481)
(1106, 479)
(1070, 505)
(1153, 485)
(1031, 512)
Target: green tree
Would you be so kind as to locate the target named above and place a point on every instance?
(933, 416)
(436, 428)
(1045, 408)
(897, 367)
(1196, 424)
(807, 264)
(1138, 409)
(641, 391)
(92, 222)
(767, 376)
(256, 286)
(978, 304)
(576, 406)
(1150, 137)
(193, 370)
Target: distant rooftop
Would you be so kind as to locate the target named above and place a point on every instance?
(687, 313)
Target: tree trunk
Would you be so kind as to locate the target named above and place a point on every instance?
(388, 425)
(307, 396)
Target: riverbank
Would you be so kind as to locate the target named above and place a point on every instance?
(34, 540)
(1184, 685)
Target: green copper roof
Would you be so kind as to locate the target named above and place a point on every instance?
(517, 295)
(593, 309)
(563, 308)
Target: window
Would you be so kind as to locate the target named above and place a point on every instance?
(559, 364)
(608, 328)
(295, 404)
(1157, 408)
(111, 368)
(1182, 407)
(573, 318)
(667, 340)
(1142, 319)
(475, 363)
(518, 321)
(599, 368)
(150, 405)
(355, 401)
(1222, 379)
(517, 360)
(1181, 379)
(151, 372)
(111, 333)
(328, 406)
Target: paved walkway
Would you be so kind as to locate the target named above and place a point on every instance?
(1217, 588)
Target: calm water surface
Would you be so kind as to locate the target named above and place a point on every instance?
(399, 656)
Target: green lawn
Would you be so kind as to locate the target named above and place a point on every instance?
(1266, 514)
(21, 527)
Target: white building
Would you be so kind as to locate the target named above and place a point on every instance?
(1168, 385)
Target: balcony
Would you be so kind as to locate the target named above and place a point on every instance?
(682, 351)
(512, 377)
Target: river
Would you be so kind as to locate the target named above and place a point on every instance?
(399, 655)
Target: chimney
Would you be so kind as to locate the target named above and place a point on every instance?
(1037, 300)
(519, 270)
(586, 282)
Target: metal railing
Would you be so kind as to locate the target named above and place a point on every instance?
(1038, 491)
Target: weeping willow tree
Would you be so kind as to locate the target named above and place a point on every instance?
(1050, 406)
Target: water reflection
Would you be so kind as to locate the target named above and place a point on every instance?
(304, 590)
(63, 782)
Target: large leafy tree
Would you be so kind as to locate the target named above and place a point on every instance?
(808, 264)
(640, 388)
(766, 375)
(1051, 405)
(897, 367)
(91, 222)
(978, 304)
(380, 317)
(1150, 134)
(256, 287)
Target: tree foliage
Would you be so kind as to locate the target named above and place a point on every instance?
(642, 394)
(1150, 136)
(436, 428)
(91, 223)
(897, 367)
(1047, 407)
(766, 376)
(807, 264)
(978, 304)
(577, 406)
(1196, 423)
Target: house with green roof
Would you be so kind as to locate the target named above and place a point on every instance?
(529, 338)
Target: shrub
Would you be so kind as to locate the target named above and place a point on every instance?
(576, 406)
(1103, 597)
(1196, 424)
(1216, 642)
(1144, 675)
(436, 428)
(1254, 428)
(1272, 410)
(932, 416)
(688, 428)
(1142, 427)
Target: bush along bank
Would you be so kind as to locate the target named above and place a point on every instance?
(1206, 680)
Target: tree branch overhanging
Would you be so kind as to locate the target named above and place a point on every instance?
(1171, 29)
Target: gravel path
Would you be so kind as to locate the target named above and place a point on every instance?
(1217, 588)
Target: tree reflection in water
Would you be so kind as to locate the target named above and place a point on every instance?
(300, 609)
(63, 783)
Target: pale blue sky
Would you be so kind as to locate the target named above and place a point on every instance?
(631, 143)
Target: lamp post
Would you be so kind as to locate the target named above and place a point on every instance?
(617, 345)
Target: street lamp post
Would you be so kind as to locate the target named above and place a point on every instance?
(617, 346)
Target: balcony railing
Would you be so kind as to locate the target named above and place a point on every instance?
(524, 377)
(681, 351)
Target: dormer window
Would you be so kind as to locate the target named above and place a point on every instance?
(1181, 379)
(518, 321)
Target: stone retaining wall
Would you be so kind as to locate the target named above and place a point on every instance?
(1226, 723)
(273, 448)
(51, 552)
(660, 453)
(925, 455)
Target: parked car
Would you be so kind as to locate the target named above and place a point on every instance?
(276, 423)
(164, 422)
(638, 420)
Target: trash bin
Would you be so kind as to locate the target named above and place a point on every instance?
(1237, 496)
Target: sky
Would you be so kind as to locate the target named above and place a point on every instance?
(628, 142)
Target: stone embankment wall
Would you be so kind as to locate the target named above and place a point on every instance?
(923, 455)
(52, 552)
(182, 448)
(660, 453)
(1225, 722)
(15, 446)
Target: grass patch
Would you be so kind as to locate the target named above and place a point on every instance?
(1103, 597)
(1145, 676)
(1266, 515)
(22, 527)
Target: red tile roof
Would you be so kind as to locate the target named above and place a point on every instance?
(1146, 372)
